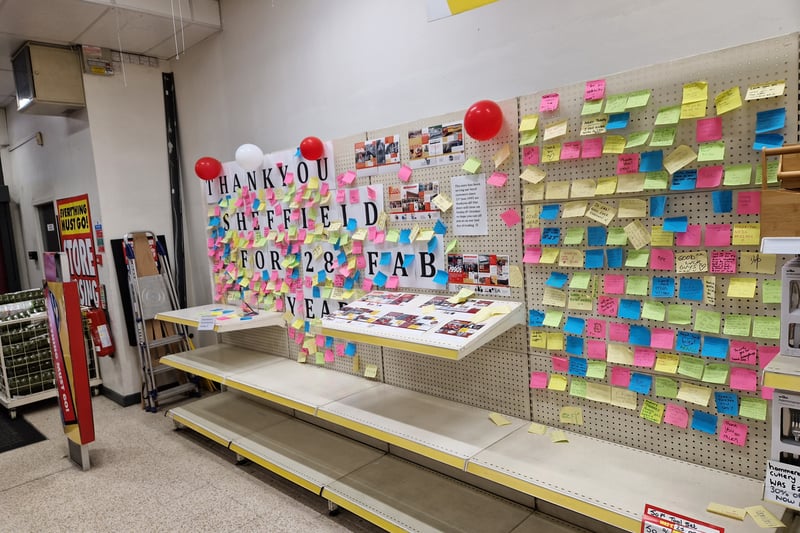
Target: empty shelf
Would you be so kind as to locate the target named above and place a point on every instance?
(217, 361)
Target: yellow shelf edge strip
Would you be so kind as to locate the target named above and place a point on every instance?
(194, 427)
(360, 511)
(447, 353)
(297, 406)
(192, 370)
(272, 467)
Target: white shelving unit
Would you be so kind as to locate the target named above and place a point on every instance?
(228, 317)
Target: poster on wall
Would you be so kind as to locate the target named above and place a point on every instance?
(413, 201)
(441, 144)
(377, 156)
(77, 242)
(470, 213)
(482, 273)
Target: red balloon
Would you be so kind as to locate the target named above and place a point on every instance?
(312, 148)
(483, 120)
(207, 168)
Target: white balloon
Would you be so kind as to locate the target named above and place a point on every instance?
(249, 157)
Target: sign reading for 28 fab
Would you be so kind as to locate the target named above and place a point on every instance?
(75, 225)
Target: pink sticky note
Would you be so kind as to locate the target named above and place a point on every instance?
(627, 163)
(294, 216)
(497, 179)
(620, 376)
(361, 262)
(614, 284)
(355, 196)
(619, 332)
(560, 364)
(592, 148)
(722, 262)
(279, 304)
(744, 352)
(393, 282)
(767, 392)
(733, 432)
(538, 380)
(340, 196)
(511, 217)
(358, 247)
(709, 177)
(404, 173)
(690, 237)
(718, 234)
(380, 237)
(340, 350)
(596, 328)
(675, 415)
(643, 356)
(743, 379)
(372, 194)
(530, 155)
(607, 306)
(595, 90)
(662, 259)
(532, 255)
(319, 340)
(323, 189)
(348, 177)
(748, 202)
(371, 233)
(595, 349)
(532, 236)
(549, 102)
(329, 358)
(709, 129)
(570, 150)
(367, 285)
(767, 354)
(662, 338)
(290, 332)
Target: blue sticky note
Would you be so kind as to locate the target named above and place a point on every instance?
(295, 273)
(593, 259)
(640, 383)
(386, 258)
(722, 201)
(329, 342)
(691, 289)
(213, 221)
(574, 345)
(658, 205)
(687, 342)
(405, 236)
(307, 326)
(617, 121)
(767, 140)
(715, 347)
(350, 349)
(549, 212)
(440, 228)
(578, 366)
(352, 224)
(441, 278)
(676, 224)
(631, 309)
(770, 120)
(727, 403)
(348, 283)
(705, 422)
(432, 244)
(574, 325)
(408, 260)
(663, 287)
(651, 161)
(551, 235)
(315, 292)
(256, 204)
(614, 257)
(684, 180)
(321, 276)
(596, 235)
(556, 279)
(341, 258)
(380, 279)
(535, 318)
(639, 336)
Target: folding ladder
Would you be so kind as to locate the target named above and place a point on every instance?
(152, 292)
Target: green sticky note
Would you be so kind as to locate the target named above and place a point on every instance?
(666, 387)
(616, 236)
(472, 165)
(772, 172)
(577, 387)
(656, 181)
(771, 291)
(596, 369)
(668, 115)
(707, 321)
(663, 137)
(738, 325)
(326, 292)
(766, 327)
(737, 175)
(679, 314)
(637, 258)
(552, 318)
(320, 358)
(755, 408)
(580, 280)
(392, 235)
(637, 139)
(653, 310)
(638, 285)
(692, 367)
(716, 373)
(616, 103)
(592, 107)
(527, 137)
(451, 246)
(574, 235)
(638, 99)
(713, 151)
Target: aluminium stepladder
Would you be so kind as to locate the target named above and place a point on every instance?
(152, 292)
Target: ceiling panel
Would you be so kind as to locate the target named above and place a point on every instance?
(158, 7)
(139, 32)
(48, 20)
(192, 33)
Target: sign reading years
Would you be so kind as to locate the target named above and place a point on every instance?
(75, 224)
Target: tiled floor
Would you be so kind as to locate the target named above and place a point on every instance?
(146, 476)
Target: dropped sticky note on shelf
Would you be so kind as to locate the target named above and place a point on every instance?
(763, 518)
(726, 510)
(463, 295)
(558, 436)
(499, 420)
(537, 429)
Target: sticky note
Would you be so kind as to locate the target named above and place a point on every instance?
(728, 100)
(709, 129)
(687, 342)
(652, 411)
(616, 103)
(499, 420)
(694, 394)
(472, 165)
(624, 398)
(557, 436)
(715, 346)
(571, 414)
(707, 321)
(727, 403)
(594, 90)
(705, 422)
(691, 237)
(497, 179)
(627, 163)
(592, 148)
(755, 408)
(404, 173)
(711, 151)
(770, 120)
(666, 387)
(618, 121)
(676, 415)
(640, 383)
(719, 508)
(638, 285)
(548, 103)
(511, 217)
(679, 314)
(722, 261)
(663, 136)
(679, 158)
(537, 428)
(762, 517)
(653, 310)
(668, 115)
(742, 287)
(743, 379)
(766, 327)
(692, 367)
(736, 175)
(577, 387)
(771, 291)
(557, 383)
(637, 139)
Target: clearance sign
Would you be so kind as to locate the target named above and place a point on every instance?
(75, 224)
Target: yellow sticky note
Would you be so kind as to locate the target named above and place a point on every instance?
(620, 354)
(614, 144)
(606, 186)
(661, 238)
(472, 165)
(652, 411)
(537, 429)
(583, 188)
(594, 126)
(499, 420)
(549, 255)
(769, 89)
(551, 153)
(571, 414)
(557, 129)
(689, 262)
(538, 339)
(742, 287)
(532, 174)
(695, 92)
(462, 296)
(728, 100)
(693, 110)
(529, 123)
(756, 262)
(667, 363)
(414, 233)
(679, 158)
(580, 301)
(515, 278)
(501, 155)
(746, 234)
(574, 209)
(598, 392)
(624, 398)
(602, 213)
(356, 364)
(442, 202)
(630, 183)
(637, 234)
(370, 371)
(557, 382)
(632, 208)
(558, 436)
(556, 190)
(727, 510)
(555, 341)
(694, 394)
(763, 517)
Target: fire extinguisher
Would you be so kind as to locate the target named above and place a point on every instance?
(101, 334)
